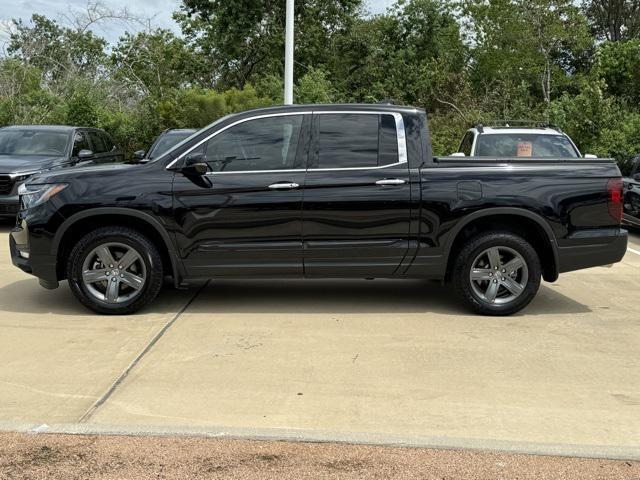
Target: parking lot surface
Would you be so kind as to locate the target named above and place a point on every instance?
(390, 362)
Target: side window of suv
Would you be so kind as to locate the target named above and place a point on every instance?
(467, 144)
(80, 142)
(107, 141)
(261, 144)
(351, 140)
(97, 142)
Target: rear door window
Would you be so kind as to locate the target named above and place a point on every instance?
(347, 140)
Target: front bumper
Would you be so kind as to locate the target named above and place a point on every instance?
(9, 206)
(592, 248)
(42, 266)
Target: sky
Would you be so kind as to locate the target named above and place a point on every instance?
(160, 10)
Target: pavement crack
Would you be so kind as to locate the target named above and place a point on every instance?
(114, 386)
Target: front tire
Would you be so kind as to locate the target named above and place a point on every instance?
(497, 273)
(115, 270)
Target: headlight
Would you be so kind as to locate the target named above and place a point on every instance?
(34, 195)
(21, 178)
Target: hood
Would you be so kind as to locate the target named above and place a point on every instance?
(27, 163)
(90, 170)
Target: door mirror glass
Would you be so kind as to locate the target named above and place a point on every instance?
(458, 154)
(590, 155)
(84, 154)
(138, 155)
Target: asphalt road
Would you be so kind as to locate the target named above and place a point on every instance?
(380, 362)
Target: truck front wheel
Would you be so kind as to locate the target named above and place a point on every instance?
(115, 270)
(497, 273)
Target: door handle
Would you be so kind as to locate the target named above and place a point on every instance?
(283, 186)
(391, 181)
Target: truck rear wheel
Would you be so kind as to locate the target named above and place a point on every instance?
(497, 273)
(115, 270)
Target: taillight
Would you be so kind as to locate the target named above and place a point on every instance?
(614, 191)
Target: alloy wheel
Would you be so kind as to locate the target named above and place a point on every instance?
(499, 275)
(114, 273)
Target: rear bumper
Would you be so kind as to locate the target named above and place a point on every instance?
(592, 248)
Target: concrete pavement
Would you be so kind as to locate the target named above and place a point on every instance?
(381, 361)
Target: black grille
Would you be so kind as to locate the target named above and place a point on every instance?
(6, 184)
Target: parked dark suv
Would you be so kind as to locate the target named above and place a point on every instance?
(29, 149)
(632, 195)
(319, 191)
(166, 140)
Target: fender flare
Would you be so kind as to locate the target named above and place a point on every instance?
(145, 217)
(513, 211)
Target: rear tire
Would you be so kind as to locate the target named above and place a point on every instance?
(115, 270)
(497, 273)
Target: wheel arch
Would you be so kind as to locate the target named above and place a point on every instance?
(515, 220)
(82, 222)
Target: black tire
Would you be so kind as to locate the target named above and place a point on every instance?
(133, 239)
(473, 249)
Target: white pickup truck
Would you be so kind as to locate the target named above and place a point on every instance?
(515, 141)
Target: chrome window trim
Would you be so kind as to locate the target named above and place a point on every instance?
(400, 132)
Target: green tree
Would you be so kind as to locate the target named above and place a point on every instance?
(613, 20)
(157, 62)
(413, 54)
(244, 40)
(536, 43)
(59, 52)
(618, 63)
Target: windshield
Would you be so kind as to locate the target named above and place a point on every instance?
(524, 145)
(33, 142)
(166, 141)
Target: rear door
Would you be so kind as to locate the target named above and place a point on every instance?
(357, 199)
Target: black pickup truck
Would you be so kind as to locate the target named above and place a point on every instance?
(319, 191)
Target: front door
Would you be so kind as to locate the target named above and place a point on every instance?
(244, 217)
(357, 197)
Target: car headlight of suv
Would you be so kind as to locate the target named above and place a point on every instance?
(21, 178)
(34, 195)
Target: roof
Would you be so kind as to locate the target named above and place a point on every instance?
(52, 128)
(517, 130)
(335, 106)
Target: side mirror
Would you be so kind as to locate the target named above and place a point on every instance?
(636, 177)
(195, 165)
(84, 154)
(590, 155)
(138, 155)
(458, 154)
